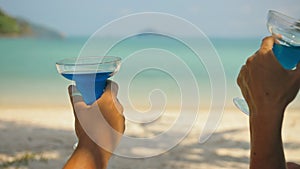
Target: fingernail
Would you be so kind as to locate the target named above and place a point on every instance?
(76, 93)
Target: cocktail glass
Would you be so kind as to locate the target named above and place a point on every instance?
(286, 31)
(89, 74)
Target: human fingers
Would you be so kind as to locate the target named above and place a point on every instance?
(265, 55)
(109, 97)
(243, 82)
(242, 76)
(76, 98)
(292, 165)
(267, 44)
(112, 87)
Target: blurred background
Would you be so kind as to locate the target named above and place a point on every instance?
(36, 123)
(35, 34)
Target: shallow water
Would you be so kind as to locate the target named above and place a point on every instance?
(28, 73)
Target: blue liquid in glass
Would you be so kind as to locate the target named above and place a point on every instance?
(288, 56)
(90, 85)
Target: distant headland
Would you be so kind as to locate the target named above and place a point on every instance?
(11, 27)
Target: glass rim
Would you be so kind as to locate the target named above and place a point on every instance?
(285, 18)
(73, 61)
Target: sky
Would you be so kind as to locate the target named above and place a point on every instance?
(216, 18)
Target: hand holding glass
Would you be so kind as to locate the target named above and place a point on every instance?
(286, 31)
(89, 73)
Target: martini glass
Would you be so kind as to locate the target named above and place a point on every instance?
(89, 74)
(286, 31)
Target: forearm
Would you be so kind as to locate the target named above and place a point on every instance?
(266, 142)
(87, 156)
(267, 151)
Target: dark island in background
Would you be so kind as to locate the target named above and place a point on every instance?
(17, 27)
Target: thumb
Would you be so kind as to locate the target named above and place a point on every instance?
(112, 87)
(76, 98)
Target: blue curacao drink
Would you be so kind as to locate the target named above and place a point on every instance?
(89, 73)
(85, 82)
(288, 56)
(286, 31)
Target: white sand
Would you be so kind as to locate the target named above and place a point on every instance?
(43, 137)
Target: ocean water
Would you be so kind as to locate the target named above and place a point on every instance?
(29, 77)
(28, 73)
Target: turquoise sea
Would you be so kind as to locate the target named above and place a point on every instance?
(29, 77)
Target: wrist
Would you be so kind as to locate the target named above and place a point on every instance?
(267, 118)
(96, 152)
(266, 125)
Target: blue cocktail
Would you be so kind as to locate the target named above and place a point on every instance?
(286, 31)
(288, 56)
(89, 73)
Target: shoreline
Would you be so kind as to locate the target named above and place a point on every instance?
(45, 136)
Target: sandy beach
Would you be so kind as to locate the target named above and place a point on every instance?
(35, 138)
